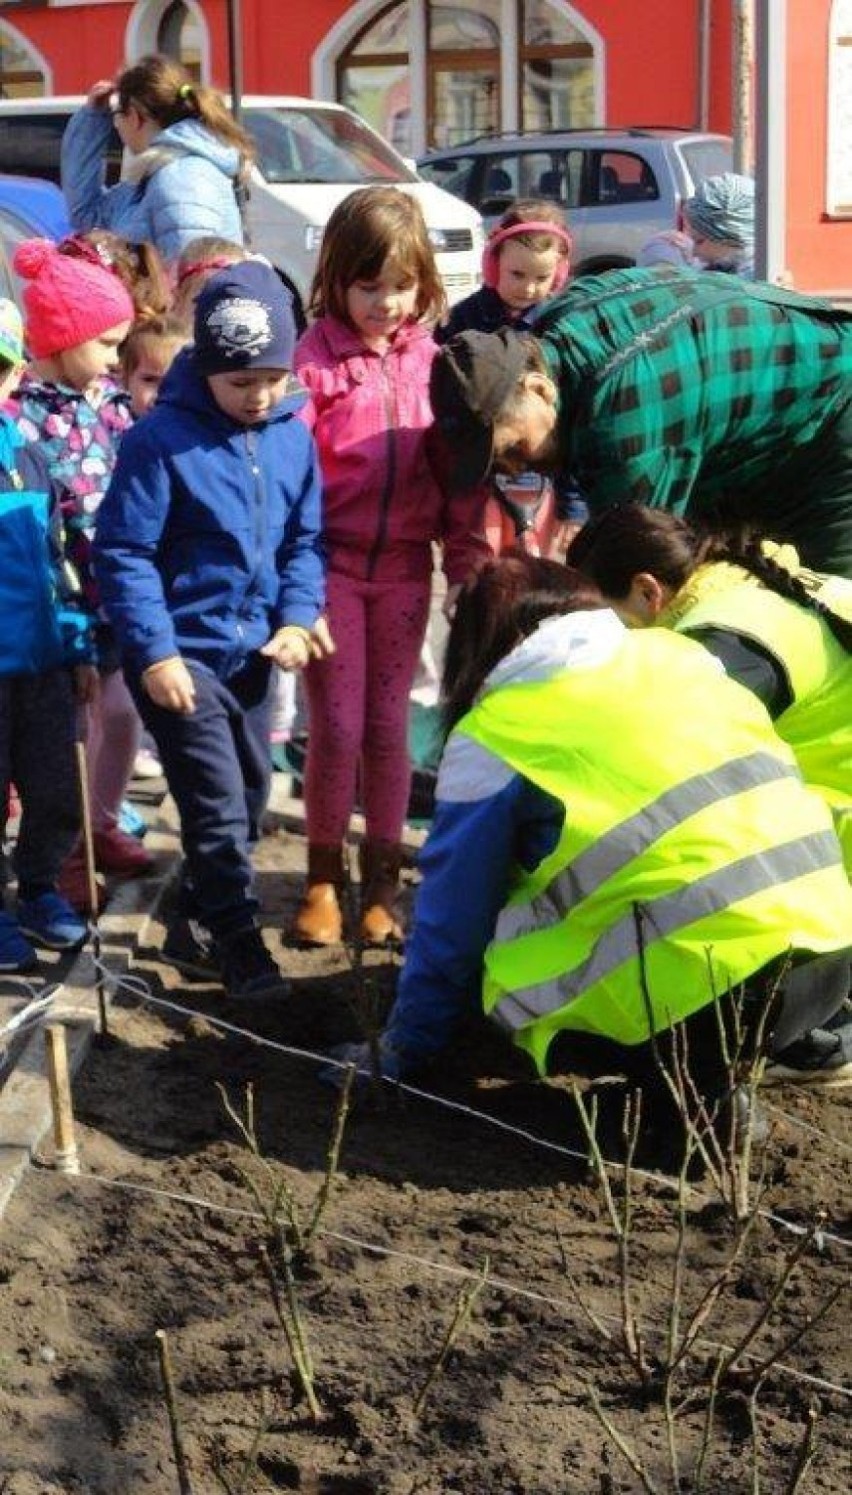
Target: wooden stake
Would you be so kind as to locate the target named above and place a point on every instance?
(67, 1159)
(162, 1342)
(92, 882)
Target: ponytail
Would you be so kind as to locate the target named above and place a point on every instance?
(746, 549)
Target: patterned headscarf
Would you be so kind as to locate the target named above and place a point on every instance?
(723, 210)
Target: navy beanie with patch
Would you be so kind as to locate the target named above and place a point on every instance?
(244, 320)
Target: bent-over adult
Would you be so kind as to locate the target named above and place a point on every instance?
(691, 392)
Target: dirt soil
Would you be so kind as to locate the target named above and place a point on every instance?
(91, 1268)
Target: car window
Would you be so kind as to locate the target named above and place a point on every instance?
(453, 173)
(30, 146)
(321, 145)
(621, 176)
(706, 158)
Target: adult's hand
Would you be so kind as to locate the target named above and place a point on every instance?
(100, 93)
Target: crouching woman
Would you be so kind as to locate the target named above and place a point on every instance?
(620, 838)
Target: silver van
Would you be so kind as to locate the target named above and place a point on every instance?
(310, 155)
(618, 187)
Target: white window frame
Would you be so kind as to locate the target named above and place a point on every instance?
(838, 166)
(38, 58)
(343, 32)
(140, 37)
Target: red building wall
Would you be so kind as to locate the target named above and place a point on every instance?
(819, 249)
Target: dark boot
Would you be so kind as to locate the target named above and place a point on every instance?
(319, 919)
(380, 864)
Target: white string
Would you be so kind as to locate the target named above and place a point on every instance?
(451, 1269)
(136, 983)
(35, 1009)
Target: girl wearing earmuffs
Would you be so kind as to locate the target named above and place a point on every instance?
(526, 259)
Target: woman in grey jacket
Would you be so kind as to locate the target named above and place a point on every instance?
(188, 157)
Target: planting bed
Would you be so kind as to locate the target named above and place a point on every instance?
(89, 1272)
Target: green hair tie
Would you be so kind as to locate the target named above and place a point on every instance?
(185, 92)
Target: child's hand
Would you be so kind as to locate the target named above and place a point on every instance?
(170, 685)
(322, 643)
(289, 647)
(86, 680)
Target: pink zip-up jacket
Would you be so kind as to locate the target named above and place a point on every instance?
(383, 504)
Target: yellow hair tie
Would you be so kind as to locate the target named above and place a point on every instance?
(185, 92)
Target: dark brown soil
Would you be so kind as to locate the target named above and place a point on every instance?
(90, 1271)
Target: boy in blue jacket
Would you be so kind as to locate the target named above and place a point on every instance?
(209, 562)
(46, 664)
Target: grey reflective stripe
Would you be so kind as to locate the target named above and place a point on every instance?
(611, 853)
(709, 895)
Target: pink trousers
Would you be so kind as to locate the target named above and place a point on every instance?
(358, 707)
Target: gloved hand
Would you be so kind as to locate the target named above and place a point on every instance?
(391, 1064)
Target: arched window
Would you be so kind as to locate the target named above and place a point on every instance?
(179, 36)
(22, 70)
(468, 67)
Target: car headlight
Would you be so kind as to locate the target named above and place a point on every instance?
(313, 236)
(438, 239)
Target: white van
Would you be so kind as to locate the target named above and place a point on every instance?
(310, 155)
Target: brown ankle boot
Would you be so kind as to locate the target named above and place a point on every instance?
(380, 863)
(319, 920)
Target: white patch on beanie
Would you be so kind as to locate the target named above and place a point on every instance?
(239, 326)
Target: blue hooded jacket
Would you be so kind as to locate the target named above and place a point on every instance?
(180, 188)
(208, 539)
(42, 624)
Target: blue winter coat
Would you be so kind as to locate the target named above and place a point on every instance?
(208, 539)
(178, 189)
(42, 625)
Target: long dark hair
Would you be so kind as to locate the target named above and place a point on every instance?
(504, 603)
(628, 538)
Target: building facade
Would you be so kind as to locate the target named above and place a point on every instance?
(434, 72)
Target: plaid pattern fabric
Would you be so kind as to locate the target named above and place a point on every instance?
(682, 388)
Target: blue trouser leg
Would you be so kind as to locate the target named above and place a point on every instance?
(217, 765)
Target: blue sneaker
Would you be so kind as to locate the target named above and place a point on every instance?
(50, 920)
(16, 952)
(130, 821)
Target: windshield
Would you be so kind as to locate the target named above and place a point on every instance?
(706, 158)
(321, 145)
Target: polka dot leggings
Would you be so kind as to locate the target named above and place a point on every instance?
(358, 707)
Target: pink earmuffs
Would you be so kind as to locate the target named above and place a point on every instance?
(491, 259)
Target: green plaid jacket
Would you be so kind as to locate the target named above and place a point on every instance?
(681, 388)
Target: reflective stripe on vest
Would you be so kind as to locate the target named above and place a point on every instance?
(666, 916)
(620, 846)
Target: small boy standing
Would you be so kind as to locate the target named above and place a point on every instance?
(46, 664)
(209, 561)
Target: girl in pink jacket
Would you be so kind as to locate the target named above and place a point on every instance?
(366, 363)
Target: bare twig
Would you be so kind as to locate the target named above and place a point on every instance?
(332, 1158)
(627, 1453)
(248, 1463)
(463, 1309)
(162, 1342)
(804, 1454)
(290, 1319)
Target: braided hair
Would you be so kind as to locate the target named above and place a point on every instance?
(628, 538)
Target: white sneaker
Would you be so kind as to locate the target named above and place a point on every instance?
(146, 765)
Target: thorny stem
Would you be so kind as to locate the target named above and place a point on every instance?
(332, 1158)
(624, 1448)
(621, 1222)
(805, 1454)
(771, 1301)
(709, 1423)
(810, 1321)
(162, 1341)
(282, 1195)
(293, 1330)
(463, 1309)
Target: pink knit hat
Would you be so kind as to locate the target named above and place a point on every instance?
(68, 301)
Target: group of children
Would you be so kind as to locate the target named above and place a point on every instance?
(248, 502)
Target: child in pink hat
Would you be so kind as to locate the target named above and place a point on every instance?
(77, 315)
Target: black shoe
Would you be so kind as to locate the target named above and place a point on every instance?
(248, 970)
(821, 1057)
(191, 948)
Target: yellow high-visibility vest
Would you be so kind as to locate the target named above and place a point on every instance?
(818, 723)
(688, 836)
